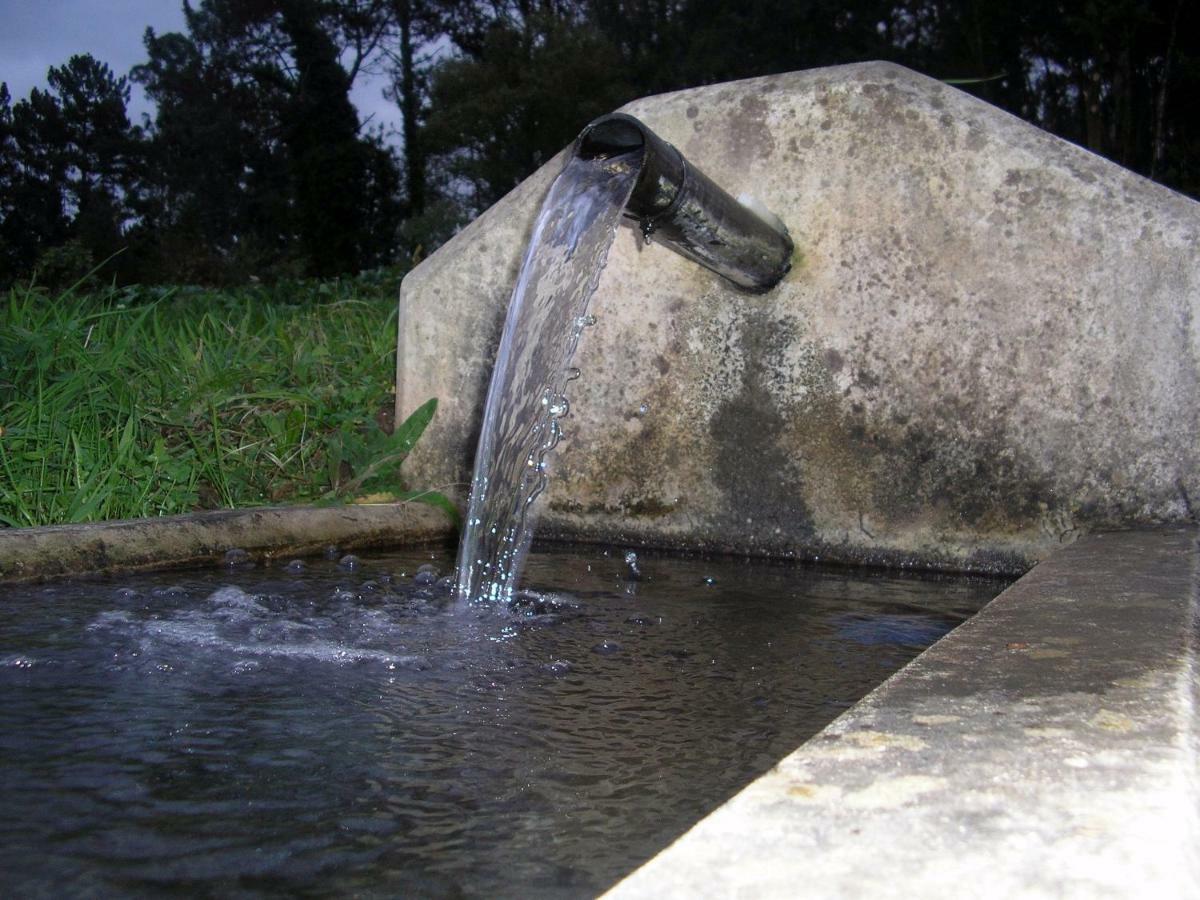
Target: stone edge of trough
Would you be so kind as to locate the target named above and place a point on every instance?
(31, 554)
(1048, 747)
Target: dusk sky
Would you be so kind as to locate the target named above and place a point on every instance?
(37, 35)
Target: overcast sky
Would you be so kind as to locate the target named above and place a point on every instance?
(38, 34)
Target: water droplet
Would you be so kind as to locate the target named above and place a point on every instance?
(643, 409)
(708, 579)
(537, 489)
(586, 321)
(573, 373)
(560, 407)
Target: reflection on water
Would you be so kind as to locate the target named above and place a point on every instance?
(357, 730)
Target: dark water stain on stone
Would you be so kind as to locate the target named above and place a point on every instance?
(759, 478)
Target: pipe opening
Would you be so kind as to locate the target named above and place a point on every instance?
(608, 137)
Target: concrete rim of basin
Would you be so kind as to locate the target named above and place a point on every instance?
(30, 554)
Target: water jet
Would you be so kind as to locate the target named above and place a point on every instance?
(618, 168)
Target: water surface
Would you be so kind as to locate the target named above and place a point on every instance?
(357, 731)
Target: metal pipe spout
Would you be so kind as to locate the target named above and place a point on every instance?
(677, 205)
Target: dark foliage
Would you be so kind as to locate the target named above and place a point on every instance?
(256, 163)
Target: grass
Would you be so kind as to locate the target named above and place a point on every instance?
(129, 402)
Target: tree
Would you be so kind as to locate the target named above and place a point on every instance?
(328, 161)
(100, 151)
(411, 24)
(253, 105)
(215, 204)
(533, 86)
(69, 159)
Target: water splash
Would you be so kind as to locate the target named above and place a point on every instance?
(526, 399)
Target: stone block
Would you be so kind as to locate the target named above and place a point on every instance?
(986, 347)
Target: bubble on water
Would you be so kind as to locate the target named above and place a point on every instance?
(607, 648)
(125, 593)
(558, 667)
(444, 585)
(235, 598)
(370, 587)
(332, 552)
(640, 620)
(349, 562)
(528, 602)
(643, 409)
(174, 592)
(109, 619)
(426, 574)
(631, 561)
(413, 663)
(295, 566)
(246, 666)
(709, 580)
(237, 558)
(17, 662)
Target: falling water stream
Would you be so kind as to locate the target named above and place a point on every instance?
(548, 311)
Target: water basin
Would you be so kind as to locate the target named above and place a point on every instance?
(347, 727)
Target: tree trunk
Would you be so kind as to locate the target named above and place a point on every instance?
(409, 99)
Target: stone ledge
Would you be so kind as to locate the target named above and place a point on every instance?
(1046, 748)
(28, 554)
